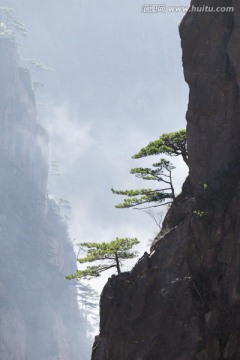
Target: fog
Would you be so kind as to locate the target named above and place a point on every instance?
(115, 83)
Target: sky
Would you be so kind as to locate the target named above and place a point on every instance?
(115, 83)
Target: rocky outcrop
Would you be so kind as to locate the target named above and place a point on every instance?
(39, 315)
(182, 301)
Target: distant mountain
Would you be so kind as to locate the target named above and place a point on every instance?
(39, 315)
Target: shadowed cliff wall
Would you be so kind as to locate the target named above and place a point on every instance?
(182, 301)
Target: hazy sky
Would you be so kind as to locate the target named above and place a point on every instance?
(116, 83)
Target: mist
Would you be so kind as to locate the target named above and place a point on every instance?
(115, 83)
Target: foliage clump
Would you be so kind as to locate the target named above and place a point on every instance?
(112, 253)
(173, 144)
(161, 172)
(10, 27)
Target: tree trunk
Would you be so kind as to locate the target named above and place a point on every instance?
(117, 263)
(171, 185)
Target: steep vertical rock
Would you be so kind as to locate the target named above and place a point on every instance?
(182, 302)
(39, 315)
(213, 112)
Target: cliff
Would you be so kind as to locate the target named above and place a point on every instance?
(39, 315)
(182, 302)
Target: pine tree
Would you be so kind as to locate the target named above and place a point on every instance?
(10, 27)
(112, 253)
(161, 172)
(173, 144)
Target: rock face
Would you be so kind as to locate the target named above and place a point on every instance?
(39, 316)
(182, 302)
